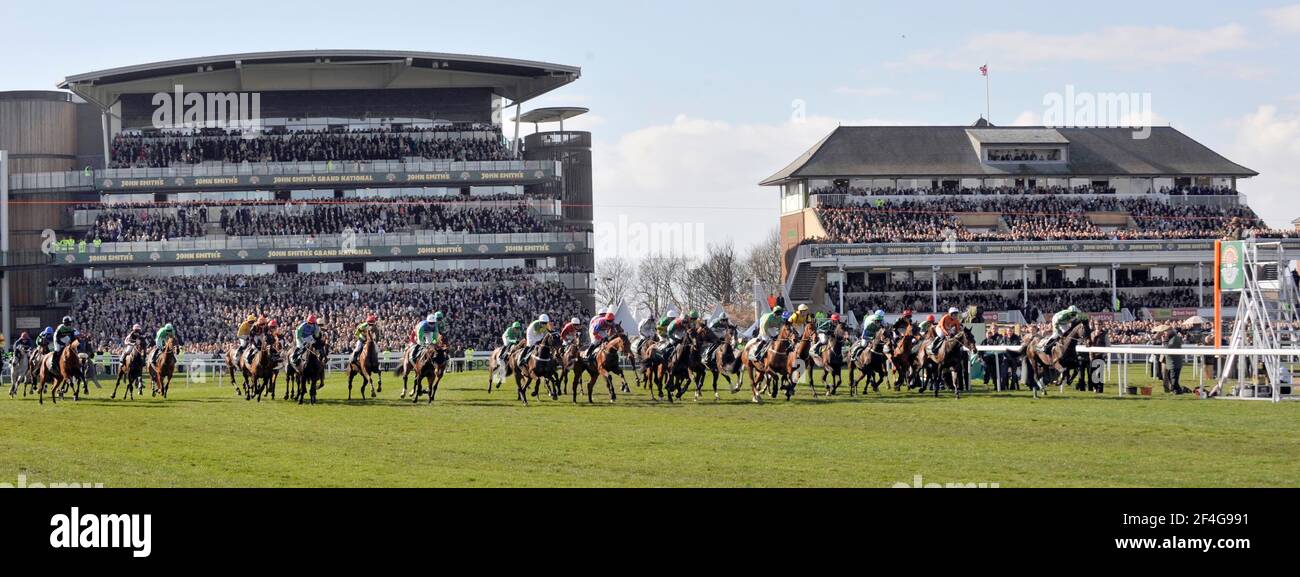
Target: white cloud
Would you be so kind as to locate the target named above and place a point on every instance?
(698, 170)
(1268, 141)
(1285, 18)
(1028, 118)
(1126, 46)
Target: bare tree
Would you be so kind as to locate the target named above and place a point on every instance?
(655, 288)
(720, 276)
(615, 278)
(763, 263)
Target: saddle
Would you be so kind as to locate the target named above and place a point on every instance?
(590, 355)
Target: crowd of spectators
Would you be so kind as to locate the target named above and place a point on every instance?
(955, 284)
(165, 221)
(845, 190)
(1044, 303)
(1034, 218)
(170, 149)
(206, 310)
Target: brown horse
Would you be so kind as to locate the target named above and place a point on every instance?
(573, 362)
(499, 366)
(766, 369)
(366, 364)
(161, 370)
(606, 365)
(904, 357)
(540, 365)
(645, 354)
(799, 362)
(870, 361)
(259, 372)
(131, 369)
(59, 371)
(429, 365)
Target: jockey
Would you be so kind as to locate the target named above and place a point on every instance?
(825, 328)
(569, 332)
(64, 334)
(870, 327)
(1061, 322)
(647, 328)
(665, 323)
(602, 327)
(926, 325)
(45, 339)
(428, 332)
(160, 338)
(257, 330)
(24, 342)
(360, 334)
(537, 330)
(768, 328)
(304, 336)
(134, 340)
(903, 322)
(720, 325)
(949, 326)
(799, 318)
(513, 333)
(245, 330)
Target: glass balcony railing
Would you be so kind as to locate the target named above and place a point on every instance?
(418, 238)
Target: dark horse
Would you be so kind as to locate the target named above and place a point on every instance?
(429, 365)
(131, 369)
(948, 365)
(539, 365)
(311, 373)
(870, 360)
(1047, 368)
(831, 360)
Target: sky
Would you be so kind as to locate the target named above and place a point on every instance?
(693, 103)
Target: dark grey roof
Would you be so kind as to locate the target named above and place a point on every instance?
(914, 151)
(1017, 135)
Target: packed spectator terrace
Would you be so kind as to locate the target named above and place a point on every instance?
(206, 310)
(489, 214)
(441, 142)
(849, 216)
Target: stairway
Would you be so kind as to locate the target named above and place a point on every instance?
(804, 283)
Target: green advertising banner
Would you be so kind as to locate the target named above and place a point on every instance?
(1232, 265)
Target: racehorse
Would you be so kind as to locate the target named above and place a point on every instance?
(675, 371)
(799, 361)
(20, 373)
(1046, 368)
(499, 366)
(131, 369)
(904, 356)
(540, 365)
(764, 370)
(724, 361)
(259, 372)
(164, 365)
(311, 373)
(429, 366)
(646, 355)
(58, 369)
(606, 365)
(366, 364)
(572, 361)
(831, 360)
(870, 360)
(948, 363)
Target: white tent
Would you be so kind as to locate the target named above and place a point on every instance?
(717, 313)
(623, 316)
(850, 320)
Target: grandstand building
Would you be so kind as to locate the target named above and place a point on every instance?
(360, 164)
(1016, 221)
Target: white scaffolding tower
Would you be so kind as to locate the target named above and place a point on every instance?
(1266, 320)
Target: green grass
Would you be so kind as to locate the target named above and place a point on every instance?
(205, 436)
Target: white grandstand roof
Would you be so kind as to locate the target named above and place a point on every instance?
(518, 80)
